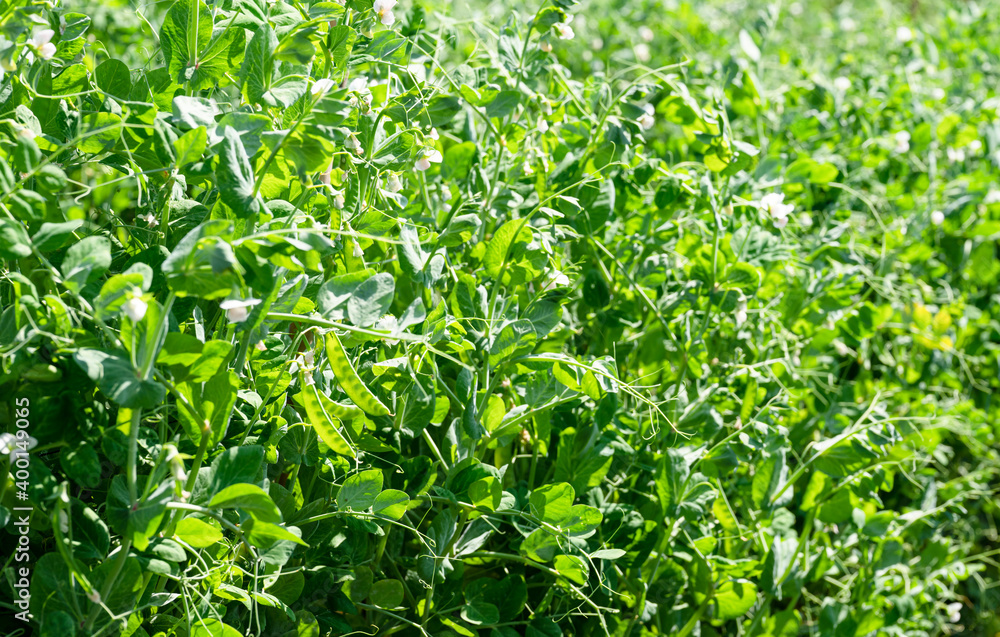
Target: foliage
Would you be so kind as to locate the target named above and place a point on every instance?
(505, 319)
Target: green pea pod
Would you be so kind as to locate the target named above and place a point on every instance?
(322, 421)
(349, 380)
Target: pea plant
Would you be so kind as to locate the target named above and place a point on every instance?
(365, 317)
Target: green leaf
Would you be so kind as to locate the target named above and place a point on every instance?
(203, 264)
(119, 380)
(387, 593)
(360, 490)
(572, 567)
(250, 498)
(194, 55)
(197, 533)
(81, 464)
(553, 503)
(391, 503)
(371, 300)
(734, 598)
(114, 78)
(236, 176)
(14, 242)
(85, 261)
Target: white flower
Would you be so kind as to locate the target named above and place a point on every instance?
(434, 134)
(555, 279)
(383, 9)
(741, 311)
(938, 93)
(9, 446)
(841, 349)
(432, 156)
(309, 358)
(842, 84)
(954, 612)
(542, 126)
(527, 169)
(597, 44)
(805, 220)
(260, 347)
(975, 146)
(352, 144)
(904, 34)
(642, 52)
(358, 251)
(358, 85)
(646, 33)
(937, 217)
(795, 9)
(135, 307)
(392, 184)
(237, 310)
(41, 43)
(902, 141)
(563, 30)
(176, 463)
(847, 24)
(321, 86)
(150, 220)
(545, 46)
(338, 199)
(95, 597)
(774, 203)
(956, 155)
(647, 120)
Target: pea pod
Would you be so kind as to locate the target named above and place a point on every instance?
(349, 380)
(323, 422)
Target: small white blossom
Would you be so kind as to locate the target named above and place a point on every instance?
(842, 84)
(954, 612)
(432, 156)
(352, 144)
(795, 9)
(805, 220)
(358, 251)
(975, 146)
(937, 217)
(741, 311)
(545, 46)
(95, 597)
(646, 33)
(956, 155)
(527, 169)
(848, 24)
(597, 44)
(392, 184)
(358, 85)
(642, 52)
(260, 347)
(150, 220)
(774, 203)
(135, 308)
(904, 34)
(542, 126)
(434, 134)
(238, 310)
(9, 446)
(563, 30)
(555, 279)
(321, 86)
(647, 120)
(841, 349)
(383, 9)
(902, 139)
(41, 43)
(338, 199)
(938, 93)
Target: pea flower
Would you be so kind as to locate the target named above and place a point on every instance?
(563, 30)
(904, 34)
(9, 446)
(432, 156)
(383, 9)
(937, 217)
(646, 33)
(774, 203)
(842, 84)
(902, 141)
(41, 43)
(95, 597)
(321, 86)
(150, 220)
(135, 307)
(741, 311)
(542, 126)
(392, 184)
(237, 310)
(434, 134)
(646, 120)
(338, 199)
(642, 52)
(545, 46)
(352, 144)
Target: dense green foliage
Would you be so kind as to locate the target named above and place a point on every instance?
(518, 318)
